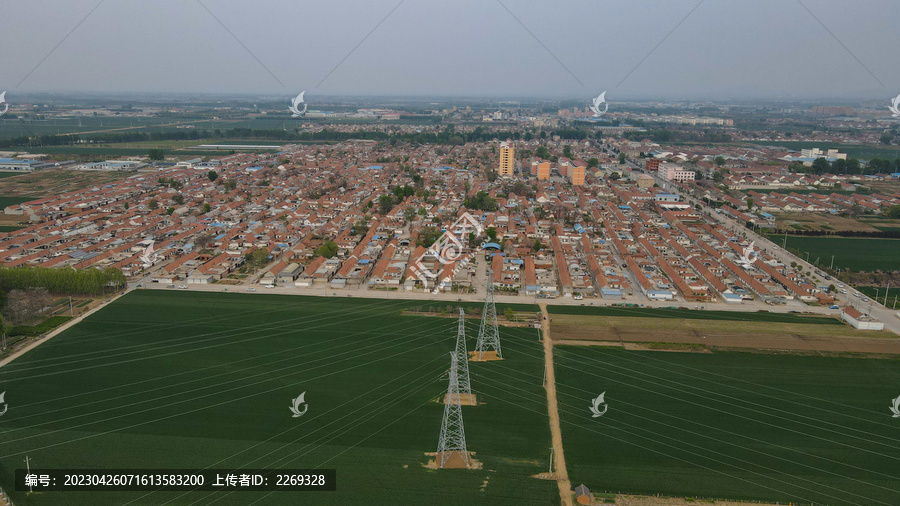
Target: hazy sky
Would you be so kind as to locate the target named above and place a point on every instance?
(724, 49)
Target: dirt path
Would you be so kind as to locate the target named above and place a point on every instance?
(562, 476)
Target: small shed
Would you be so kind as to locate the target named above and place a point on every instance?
(582, 494)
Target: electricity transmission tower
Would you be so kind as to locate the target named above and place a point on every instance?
(453, 435)
(462, 355)
(488, 333)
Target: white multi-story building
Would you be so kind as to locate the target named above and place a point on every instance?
(676, 173)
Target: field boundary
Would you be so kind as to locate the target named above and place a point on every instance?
(562, 475)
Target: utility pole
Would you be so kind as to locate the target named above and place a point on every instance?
(888, 287)
(488, 333)
(832, 263)
(28, 471)
(71, 309)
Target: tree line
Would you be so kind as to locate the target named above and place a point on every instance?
(65, 281)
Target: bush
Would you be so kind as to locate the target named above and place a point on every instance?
(34, 330)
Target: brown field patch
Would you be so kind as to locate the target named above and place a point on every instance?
(723, 334)
(815, 221)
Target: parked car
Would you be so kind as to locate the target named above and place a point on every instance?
(835, 307)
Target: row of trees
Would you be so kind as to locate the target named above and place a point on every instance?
(849, 166)
(65, 281)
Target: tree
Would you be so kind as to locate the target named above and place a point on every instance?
(24, 305)
(385, 204)
(230, 184)
(203, 241)
(328, 249)
(156, 154)
(491, 233)
(178, 198)
(428, 236)
(893, 212)
(542, 152)
(205, 207)
(509, 314)
(360, 228)
(621, 158)
(593, 162)
(719, 161)
(170, 210)
(212, 175)
(820, 166)
(481, 201)
(832, 288)
(153, 204)
(537, 245)
(749, 203)
(257, 258)
(615, 176)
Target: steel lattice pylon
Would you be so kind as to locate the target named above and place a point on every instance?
(462, 355)
(488, 333)
(453, 435)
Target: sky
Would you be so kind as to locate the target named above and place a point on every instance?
(633, 49)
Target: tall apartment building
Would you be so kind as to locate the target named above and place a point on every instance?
(507, 159)
(574, 170)
(540, 168)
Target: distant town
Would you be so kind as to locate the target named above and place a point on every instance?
(569, 209)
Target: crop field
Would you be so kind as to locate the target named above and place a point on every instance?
(205, 380)
(777, 428)
(856, 254)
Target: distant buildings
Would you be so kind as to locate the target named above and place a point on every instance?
(14, 165)
(507, 159)
(830, 155)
